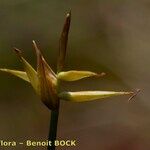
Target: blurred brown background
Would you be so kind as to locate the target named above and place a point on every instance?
(111, 36)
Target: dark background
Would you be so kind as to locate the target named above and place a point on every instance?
(111, 36)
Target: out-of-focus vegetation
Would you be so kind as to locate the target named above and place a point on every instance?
(111, 36)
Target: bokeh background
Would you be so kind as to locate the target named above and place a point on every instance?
(111, 36)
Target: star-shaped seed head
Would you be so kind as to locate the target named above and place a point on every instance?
(45, 81)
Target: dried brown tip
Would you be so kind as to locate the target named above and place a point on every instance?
(37, 50)
(18, 52)
(101, 74)
(35, 45)
(68, 14)
(134, 94)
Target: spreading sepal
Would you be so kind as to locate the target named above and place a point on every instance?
(74, 75)
(83, 96)
(31, 73)
(20, 74)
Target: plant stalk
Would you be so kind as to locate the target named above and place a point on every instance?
(53, 128)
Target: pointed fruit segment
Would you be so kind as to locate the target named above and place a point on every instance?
(83, 96)
(31, 73)
(74, 75)
(63, 43)
(47, 81)
(20, 74)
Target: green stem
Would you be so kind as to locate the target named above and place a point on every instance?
(53, 128)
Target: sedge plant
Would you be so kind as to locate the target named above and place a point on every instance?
(46, 82)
